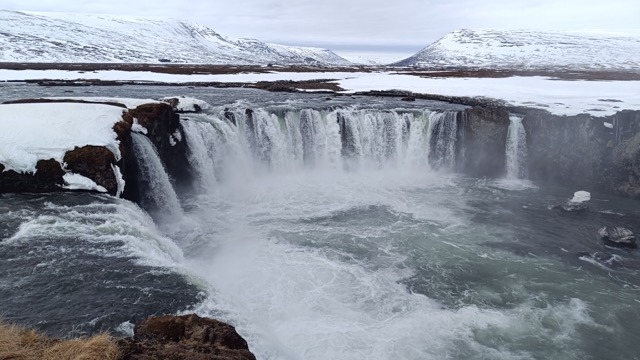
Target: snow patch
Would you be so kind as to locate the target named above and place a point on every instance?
(175, 138)
(79, 182)
(581, 196)
(186, 103)
(608, 125)
(136, 127)
(34, 132)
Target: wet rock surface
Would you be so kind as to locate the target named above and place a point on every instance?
(580, 151)
(163, 124)
(483, 133)
(618, 236)
(184, 337)
(47, 178)
(96, 163)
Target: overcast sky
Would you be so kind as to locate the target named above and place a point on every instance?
(400, 27)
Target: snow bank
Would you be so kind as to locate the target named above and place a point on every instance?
(130, 103)
(33, 132)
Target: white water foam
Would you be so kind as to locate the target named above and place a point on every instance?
(160, 191)
(120, 222)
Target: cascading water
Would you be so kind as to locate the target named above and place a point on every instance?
(516, 149)
(158, 193)
(443, 130)
(317, 139)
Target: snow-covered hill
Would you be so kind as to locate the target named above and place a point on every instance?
(62, 37)
(529, 50)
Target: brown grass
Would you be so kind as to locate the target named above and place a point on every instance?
(18, 343)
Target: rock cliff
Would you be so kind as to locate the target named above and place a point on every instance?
(109, 169)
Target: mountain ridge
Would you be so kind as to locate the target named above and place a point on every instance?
(528, 50)
(68, 37)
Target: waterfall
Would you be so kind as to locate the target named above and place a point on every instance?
(443, 130)
(516, 149)
(264, 140)
(201, 151)
(158, 193)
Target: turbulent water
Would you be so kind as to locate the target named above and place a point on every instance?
(334, 233)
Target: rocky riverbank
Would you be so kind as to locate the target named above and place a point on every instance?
(162, 337)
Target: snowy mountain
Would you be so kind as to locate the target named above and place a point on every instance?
(61, 37)
(529, 50)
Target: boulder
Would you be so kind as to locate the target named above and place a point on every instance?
(571, 206)
(184, 337)
(579, 202)
(617, 236)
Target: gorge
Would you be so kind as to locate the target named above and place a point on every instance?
(317, 223)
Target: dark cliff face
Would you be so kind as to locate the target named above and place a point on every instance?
(482, 133)
(581, 151)
(568, 150)
(625, 153)
(166, 133)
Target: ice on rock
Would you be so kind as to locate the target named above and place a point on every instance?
(581, 196)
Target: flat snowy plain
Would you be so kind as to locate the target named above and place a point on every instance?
(560, 97)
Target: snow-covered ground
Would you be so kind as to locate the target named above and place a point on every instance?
(562, 97)
(130, 103)
(527, 49)
(34, 132)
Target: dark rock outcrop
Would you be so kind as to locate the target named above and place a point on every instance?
(625, 153)
(580, 151)
(483, 135)
(166, 133)
(94, 162)
(571, 206)
(47, 178)
(185, 337)
(618, 236)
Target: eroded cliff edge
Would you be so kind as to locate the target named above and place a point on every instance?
(99, 164)
(595, 153)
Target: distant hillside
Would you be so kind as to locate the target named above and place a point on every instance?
(60, 37)
(529, 50)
